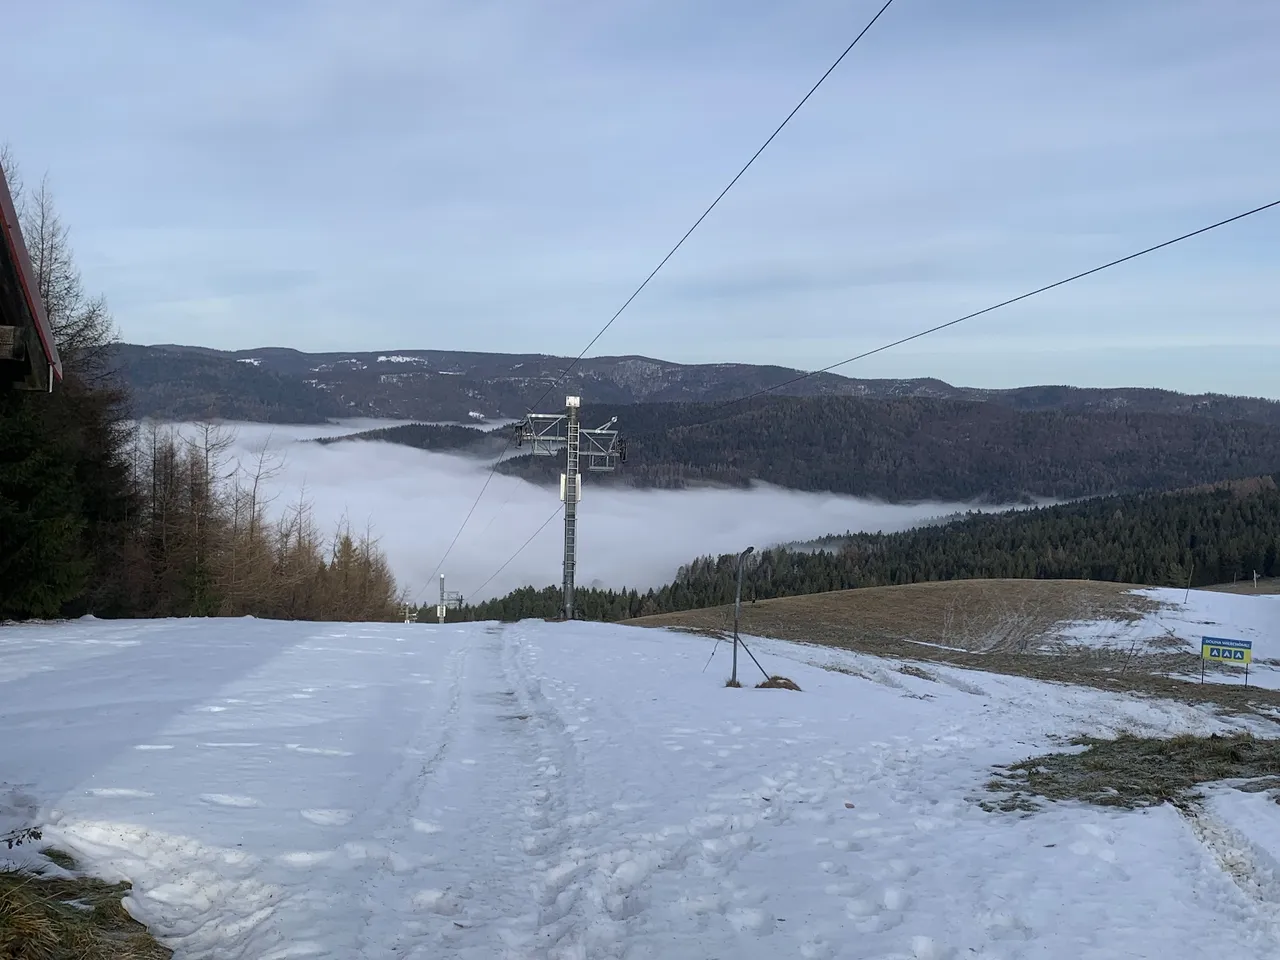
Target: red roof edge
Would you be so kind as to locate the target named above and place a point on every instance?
(26, 276)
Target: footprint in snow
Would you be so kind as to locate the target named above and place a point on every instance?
(229, 800)
(439, 902)
(306, 858)
(327, 817)
(751, 920)
(318, 751)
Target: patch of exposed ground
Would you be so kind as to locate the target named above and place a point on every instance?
(1266, 586)
(1001, 626)
(1138, 771)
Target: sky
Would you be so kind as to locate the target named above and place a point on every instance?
(413, 501)
(498, 175)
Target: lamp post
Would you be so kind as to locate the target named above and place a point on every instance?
(737, 611)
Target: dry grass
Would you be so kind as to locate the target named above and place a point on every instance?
(986, 616)
(1137, 771)
(1267, 586)
(63, 859)
(69, 918)
(994, 625)
(778, 683)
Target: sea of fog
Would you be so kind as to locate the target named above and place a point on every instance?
(415, 501)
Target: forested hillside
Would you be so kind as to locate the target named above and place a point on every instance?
(446, 438)
(1199, 537)
(171, 381)
(193, 385)
(905, 450)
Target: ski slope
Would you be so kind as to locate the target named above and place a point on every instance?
(278, 790)
(1181, 619)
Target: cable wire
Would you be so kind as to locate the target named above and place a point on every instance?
(714, 203)
(653, 273)
(555, 513)
(465, 520)
(951, 323)
(1005, 303)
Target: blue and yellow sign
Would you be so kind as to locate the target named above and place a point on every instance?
(1239, 652)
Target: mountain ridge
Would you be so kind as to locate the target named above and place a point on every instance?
(285, 385)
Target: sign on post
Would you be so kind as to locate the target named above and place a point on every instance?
(1218, 650)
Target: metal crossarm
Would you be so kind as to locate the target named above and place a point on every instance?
(449, 599)
(597, 450)
(547, 435)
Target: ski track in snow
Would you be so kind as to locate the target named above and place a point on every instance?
(574, 791)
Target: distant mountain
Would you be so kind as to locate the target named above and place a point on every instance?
(280, 385)
(901, 450)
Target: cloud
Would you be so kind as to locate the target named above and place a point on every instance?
(457, 174)
(415, 501)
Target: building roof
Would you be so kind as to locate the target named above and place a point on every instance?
(20, 304)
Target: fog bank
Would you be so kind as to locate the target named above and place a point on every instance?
(415, 501)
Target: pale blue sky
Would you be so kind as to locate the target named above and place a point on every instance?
(499, 175)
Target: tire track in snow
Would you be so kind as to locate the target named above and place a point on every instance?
(1250, 869)
(478, 898)
(391, 814)
(557, 922)
(594, 885)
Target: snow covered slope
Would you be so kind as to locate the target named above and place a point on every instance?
(284, 790)
(1182, 618)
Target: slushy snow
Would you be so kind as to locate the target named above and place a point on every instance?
(280, 790)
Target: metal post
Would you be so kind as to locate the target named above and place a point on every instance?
(737, 612)
(448, 598)
(598, 449)
(572, 492)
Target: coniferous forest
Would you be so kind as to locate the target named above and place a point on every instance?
(1195, 537)
(907, 449)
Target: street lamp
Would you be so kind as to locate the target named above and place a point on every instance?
(737, 611)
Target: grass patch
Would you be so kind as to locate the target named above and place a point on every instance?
(778, 683)
(63, 859)
(1134, 771)
(76, 918)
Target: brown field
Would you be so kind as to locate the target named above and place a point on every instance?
(1002, 626)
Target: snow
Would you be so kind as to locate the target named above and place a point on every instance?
(280, 790)
(400, 358)
(255, 361)
(1183, 618)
